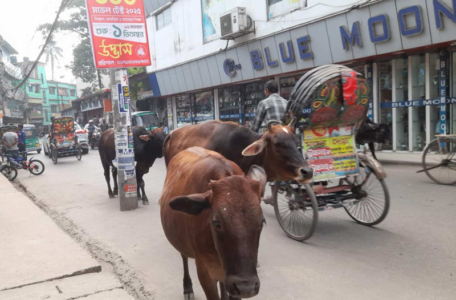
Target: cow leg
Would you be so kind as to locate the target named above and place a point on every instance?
(114, 176)
(372, 149)
(224, 293)
(140, 188)
(108, 179)
(188, 286)
(209, 285)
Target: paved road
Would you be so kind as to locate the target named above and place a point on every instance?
(411, 255)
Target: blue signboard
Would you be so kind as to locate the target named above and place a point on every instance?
(415, 103)
(442, 91)
(370, 80)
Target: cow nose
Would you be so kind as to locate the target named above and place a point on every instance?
(306, 173)
(241, 287)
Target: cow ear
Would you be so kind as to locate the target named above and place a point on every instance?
(259, 174)
(144, 137)
(191, 204)
(254, 148)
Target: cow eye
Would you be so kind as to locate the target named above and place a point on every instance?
(216, 224)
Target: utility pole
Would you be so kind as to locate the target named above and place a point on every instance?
(125, 156)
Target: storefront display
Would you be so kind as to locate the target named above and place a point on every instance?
(401, 94)
(203, 107)
(287, 84)
(230, 104)
(183, 110)
(253, 94)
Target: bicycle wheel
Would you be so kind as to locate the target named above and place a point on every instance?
(55, 156)
(372, 198)
(296, 209)
(36, 167)
(9, 172)
(78, 153)
(439, 161)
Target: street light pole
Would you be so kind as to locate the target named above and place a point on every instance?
(125, 157)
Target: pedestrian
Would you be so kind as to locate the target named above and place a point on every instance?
(96, 121)
(103, 125)
(271, 108)
(10, 141)
(21, 138)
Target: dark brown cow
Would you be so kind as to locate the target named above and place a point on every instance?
(277, 151)
(211, 212)
(148, 146)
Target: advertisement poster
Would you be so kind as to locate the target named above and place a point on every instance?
(130, 191)
(280, 7)
(331, 153)
(118, 33)
(211, 10)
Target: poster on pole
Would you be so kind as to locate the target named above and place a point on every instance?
(118, 33)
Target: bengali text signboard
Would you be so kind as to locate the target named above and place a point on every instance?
(118, 33)
(331, 152)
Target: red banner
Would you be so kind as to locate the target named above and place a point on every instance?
(118, 33)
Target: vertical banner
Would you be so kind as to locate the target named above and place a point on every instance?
(443, 90)
(370, 80)
(118, 33)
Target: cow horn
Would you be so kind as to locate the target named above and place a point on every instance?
(292, 122)
(273, 122)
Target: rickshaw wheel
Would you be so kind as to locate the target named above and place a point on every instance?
(78, 153)
(296, 209)
(372, 195)
(9, 172)
(54, 155)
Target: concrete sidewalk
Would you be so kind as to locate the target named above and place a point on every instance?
(399, 157)
(40, 261)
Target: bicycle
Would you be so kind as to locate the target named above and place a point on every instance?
(34, 166)
(9, 172)
(439, 160)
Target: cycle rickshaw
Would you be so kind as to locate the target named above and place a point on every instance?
(63, 140)
(336, 100)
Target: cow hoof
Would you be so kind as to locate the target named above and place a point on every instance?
(145, 202)
(111, 196)
(190, 296)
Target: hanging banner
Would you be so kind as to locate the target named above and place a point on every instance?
(118, 33)
(370, 80)
(443, 91)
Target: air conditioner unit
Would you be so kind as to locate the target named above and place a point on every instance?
(235, 23)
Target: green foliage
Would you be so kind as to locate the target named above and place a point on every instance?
(76, 21)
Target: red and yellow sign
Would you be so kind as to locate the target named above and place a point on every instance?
(331, 152)
(118, 33)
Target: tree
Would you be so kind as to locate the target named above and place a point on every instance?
(76, 22)
(52, 53)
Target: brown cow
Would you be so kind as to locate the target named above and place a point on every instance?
(222, 223)
(277, 151)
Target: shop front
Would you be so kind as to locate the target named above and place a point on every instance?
(405, 49)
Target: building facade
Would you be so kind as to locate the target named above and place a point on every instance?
(406, 48)
(12, 102)
(47, 98)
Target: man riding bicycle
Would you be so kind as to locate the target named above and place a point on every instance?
(90, 128)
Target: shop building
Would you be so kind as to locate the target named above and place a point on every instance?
(12, 102)
(406, 49)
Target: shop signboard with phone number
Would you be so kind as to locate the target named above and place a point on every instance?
(118, 33)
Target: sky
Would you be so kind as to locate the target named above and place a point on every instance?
(19, 20)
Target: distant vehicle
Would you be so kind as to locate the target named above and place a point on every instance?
(82, 139)
(147, 119)
(32, 141)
